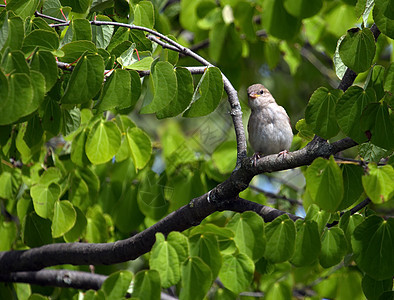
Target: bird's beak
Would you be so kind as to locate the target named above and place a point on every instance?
(253, 96)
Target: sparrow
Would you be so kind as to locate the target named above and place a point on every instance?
(269, 125)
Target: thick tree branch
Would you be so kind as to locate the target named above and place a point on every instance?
(62, 278)
(222, 197)
(59, 278)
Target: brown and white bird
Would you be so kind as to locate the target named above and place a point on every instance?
(269, 125)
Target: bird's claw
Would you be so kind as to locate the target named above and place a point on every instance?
(283, 153)
(255, 157)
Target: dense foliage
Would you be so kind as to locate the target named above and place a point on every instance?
(120, 162)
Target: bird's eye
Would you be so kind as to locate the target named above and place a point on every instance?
(261, 92)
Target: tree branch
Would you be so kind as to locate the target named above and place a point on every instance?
(222, 197)
(62, 278)
(59, 278)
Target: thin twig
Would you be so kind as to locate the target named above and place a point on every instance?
(355, 161)
(354, 210)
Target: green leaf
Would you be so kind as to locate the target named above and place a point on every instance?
(340, 67)
(348, 223)
(51, 120)
(280, 234)
(27, 152)
(116, 92)
(125, 214)
(44, 39)
(36, 231)
(78, 154)
(8, 185)
(333, 247)
(352, 185)
(14, 62)
(117, 284)
(237, 272)
(143, 64)
(377, 80)
(303, 8)
(146, 285)
(64, 217)
(209, 94)
(78, 6)
(320, 112)
(144, 14)
(384, 23)
(224, 157)
(81, 29)
(92, 295)
(372, 243)
(96, 229)
(74, 50)
(44, 198)
(75, 233)
(206, 247)
(102, 34)
(349, 109)
(12, 33)
(71, 120)
(195, 270)
(278, 21)
(164, 86)
(371, 152)
(243, 14)
(249, 234)
(141, 41)
(8, 233)
(307, 245)
(357, 50)
(378, 183)
(151, 195)
(34, 132)
(121, 90)
(373, 288)
(45, 63)
(389, 79)
(164, 259)
(183, 97)
(137, 144)
(324, 183)
(23, 8)
(170, 55)
(378, 124)
(20, 99)
(129, 56)
(53, 8)
(279, 291)
(103, 142)
(321, 217)
(86, 80)
(121, 36)
(180, 243)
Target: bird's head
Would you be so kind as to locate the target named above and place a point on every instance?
(259, 95)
